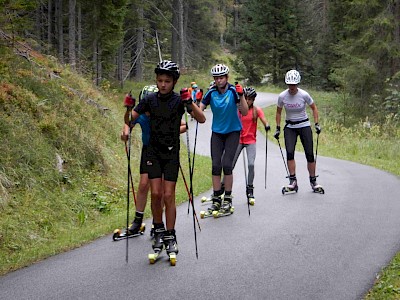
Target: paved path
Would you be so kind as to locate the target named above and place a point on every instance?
(300, 246)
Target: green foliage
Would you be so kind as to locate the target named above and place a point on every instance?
(62, 206)
(14, 15)
(269, 39)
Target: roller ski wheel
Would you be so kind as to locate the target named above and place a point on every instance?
(223, 212)
(120, 235)
(315, 186)
(292, 187)
(206, 214)
(204, 199)
(289, 190)
(250, 194)
(153, 257)
(172, 258)
(252, 201)
(318, 189)
(171, 246)
(216, 205)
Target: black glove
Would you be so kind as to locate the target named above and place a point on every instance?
(277, 132)
(318, 128)
(267, 128)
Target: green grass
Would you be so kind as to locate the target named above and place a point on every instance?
(44, 211)
(377, 145)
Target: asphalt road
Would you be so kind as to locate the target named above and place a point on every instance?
(299, 246)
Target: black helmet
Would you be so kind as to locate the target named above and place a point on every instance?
(168, 67)
(249, 92)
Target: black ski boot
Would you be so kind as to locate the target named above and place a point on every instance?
(292, 187)
(208, 199)
(215, 206)
(171, 245)
(250, 194)
(315, 186)
(226, 207)
(137, 225)
(158, 242)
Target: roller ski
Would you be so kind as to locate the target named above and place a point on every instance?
(158, 245)
(250, 194)
(205, 199)
(315, 186)
(215, 207)
(226, 208)
(171, 246)
(292, 187)
(136, 229)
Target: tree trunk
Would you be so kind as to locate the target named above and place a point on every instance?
(174, 34)
(396, 36)
(120, 64)
(140, 47)
(79, 31)
(71, 34)
(235, 23)
(60, 30)
(49, 24)
(38, 23)
(96, 62)
(181, 35)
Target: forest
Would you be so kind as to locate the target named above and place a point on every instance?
(348, 46)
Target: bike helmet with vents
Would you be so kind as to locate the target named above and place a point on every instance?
(219, 70)
(168, 67)
(249, 92)
(292, 77)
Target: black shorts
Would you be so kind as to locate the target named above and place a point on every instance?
(163, 162)
(143, 160)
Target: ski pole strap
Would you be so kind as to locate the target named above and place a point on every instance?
(296, 122)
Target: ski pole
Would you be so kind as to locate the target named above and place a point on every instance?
(131, 179)
(266, 152)
(190, 197)
(128, 154)
(194, 156)
(316, 150)
(245, 177)
(284, 162)
(190, 178)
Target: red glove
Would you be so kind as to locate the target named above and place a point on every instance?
(239, 89)
(129, 101)
(185, 95)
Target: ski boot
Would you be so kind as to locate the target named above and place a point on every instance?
(152, 231)
(292, 187)
(215, 206)
(226, 208)
(158, 243)
(137, 228)
(250, 195)
(209, 199)
(315, 186)
(171, 246)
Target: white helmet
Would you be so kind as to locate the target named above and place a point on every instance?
(292, 77)
(219, 70)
